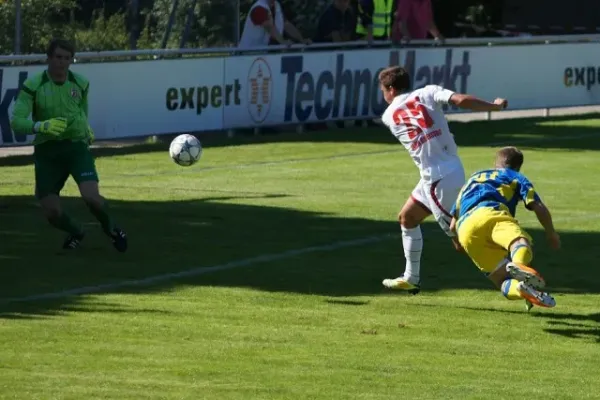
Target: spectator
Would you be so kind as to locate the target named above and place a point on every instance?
(374, 23)
(266, 21)
(414, 19)
(337, 23)
(375, 19)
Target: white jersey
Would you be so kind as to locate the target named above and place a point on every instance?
(417, 120)
(256, 36)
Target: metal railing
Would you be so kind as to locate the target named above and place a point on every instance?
(219, 51)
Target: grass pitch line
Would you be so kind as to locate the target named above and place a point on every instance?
(542, 139)
(266, 163)
(245, 262)
(396, 149)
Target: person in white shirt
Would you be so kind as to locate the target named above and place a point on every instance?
(417, 120)
(265, 24)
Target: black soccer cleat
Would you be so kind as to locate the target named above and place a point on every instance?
(73, 241)
(119, 239)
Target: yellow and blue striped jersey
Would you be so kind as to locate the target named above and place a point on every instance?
(494, 188)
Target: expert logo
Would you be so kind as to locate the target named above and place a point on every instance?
(582, 76)
(204, 97)
(260, 90)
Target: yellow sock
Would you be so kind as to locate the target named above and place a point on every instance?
(509, 289)
(522, 254)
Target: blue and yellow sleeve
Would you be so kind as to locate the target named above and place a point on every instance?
(455, 209)
(527, 192)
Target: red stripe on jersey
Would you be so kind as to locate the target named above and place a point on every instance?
(436, 200)
(423, 206)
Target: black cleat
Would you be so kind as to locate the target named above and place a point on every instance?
(73, 241)
(119, 239)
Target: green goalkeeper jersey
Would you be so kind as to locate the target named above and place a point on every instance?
(44, 99)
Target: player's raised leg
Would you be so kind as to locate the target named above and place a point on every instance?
(475, 231)
(529, 280)
(514, 288)
(61, 220)
(441, 195)
(99, 208)
(437, 199)
(533, 296)
(83, 170)
(51, 173)
(518, 268)
(507, 234)
(410, 217)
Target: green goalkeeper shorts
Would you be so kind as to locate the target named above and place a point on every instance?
(57, 159)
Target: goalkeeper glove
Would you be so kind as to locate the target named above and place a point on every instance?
(54, 126)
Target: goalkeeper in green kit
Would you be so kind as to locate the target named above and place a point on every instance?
(57, 100)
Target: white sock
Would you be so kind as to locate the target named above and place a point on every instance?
(412, 241)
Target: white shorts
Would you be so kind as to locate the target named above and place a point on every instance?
(439, 196)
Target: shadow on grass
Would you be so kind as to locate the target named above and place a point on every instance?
(587, 325)
(568, 132)
(569, 325)
(214, 243)
(58, 307)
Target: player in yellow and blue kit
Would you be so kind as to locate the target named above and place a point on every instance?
(486, 228)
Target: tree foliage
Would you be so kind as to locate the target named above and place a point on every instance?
(104, 33)
(40, 21)
(110, 24)
(107, 24)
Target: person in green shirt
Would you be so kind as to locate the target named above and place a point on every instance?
(57, 100)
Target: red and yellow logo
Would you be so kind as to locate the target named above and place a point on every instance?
(260, 90)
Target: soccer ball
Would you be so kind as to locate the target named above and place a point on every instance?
(185, 150)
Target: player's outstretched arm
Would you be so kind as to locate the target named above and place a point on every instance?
(453, 225)
(84, 101)
(455, 242)
(473, 103)
(545, 218)
(269, 27)
(20, 122)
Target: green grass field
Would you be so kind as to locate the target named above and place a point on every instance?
(259, 277)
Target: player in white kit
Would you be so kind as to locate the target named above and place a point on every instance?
(417, 120)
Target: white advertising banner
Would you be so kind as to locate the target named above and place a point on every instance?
(312, 87)
(190, 95)
(130, 99)
(10, 80)
(539, 76)
(326, 86)
(163, 96)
